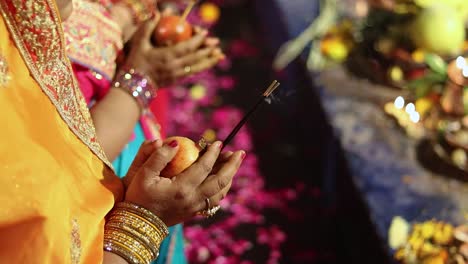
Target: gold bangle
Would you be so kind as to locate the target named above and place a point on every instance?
(143, 227)
(154, 247)
(134, 233)
(120, 250)
(130, 243)
(123, 247)
(134, 223)
(147, 214)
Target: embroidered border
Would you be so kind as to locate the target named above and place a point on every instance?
(36, 29)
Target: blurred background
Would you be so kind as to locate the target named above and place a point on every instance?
(360, 156)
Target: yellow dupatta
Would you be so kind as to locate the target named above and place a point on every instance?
(55, 188)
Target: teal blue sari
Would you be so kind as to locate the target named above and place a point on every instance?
(172, 248)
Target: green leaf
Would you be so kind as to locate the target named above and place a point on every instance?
(426, 84)
(436, 63)
(422, 91)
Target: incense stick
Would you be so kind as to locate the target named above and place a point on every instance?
(241, 123)
(188, 9)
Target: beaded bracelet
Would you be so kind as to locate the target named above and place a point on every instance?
(142, 10)
(137, 85)
(134, 233)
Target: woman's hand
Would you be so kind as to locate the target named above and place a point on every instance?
(168, 64)
(178, 199)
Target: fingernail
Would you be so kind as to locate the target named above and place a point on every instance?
(153, 142)
(218, 144)
(214, 41)
(173, 144)
(205, 32)
(243, 154)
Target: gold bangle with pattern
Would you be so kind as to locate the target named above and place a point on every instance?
(134, 233)
(146, 214)
(118, 238)
(138, 225)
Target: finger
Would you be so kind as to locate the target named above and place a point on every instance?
(200, 66)
(149, 26)
(169, 67)
(143, 35)
(214, 199)
(191, 44)
(198, 29)
(194, 57)
(197, 173)
(211, 42)
(217, 182)
(172, 70)
(224, 157)
(145, 151)
(219, 54)
(158, 160)
(217, 198)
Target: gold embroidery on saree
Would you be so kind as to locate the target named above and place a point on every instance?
(5, 76)
(75, 248)
(36, 29)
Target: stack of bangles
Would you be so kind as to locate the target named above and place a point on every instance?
(134, 233)
(137, 85)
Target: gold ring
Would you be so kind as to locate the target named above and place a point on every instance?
(187, 69)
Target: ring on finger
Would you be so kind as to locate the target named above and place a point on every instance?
(209, 211)
(187, 69)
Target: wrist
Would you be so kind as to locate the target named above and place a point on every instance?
(137, 85)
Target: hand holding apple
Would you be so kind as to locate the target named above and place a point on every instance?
(167, 64)
(177, 199)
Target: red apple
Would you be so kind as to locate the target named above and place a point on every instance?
(172, 30)
(186, 155)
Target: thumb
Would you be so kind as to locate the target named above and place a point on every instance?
(158, 161)
(145, 151)
(146, 30)
(150, 25)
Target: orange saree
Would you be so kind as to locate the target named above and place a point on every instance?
(55, 186)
